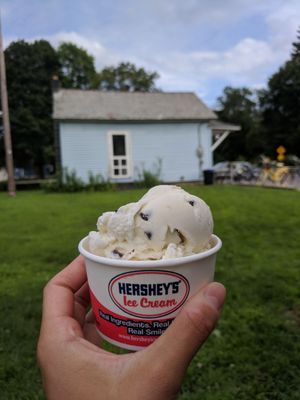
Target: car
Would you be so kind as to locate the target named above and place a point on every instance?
(222, 171)
(242, 171)
(234, 171)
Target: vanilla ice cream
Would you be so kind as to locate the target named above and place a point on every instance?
(167, 222)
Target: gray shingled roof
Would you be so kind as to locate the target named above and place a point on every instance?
(78, 104)
(224, 126)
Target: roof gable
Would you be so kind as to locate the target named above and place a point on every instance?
(76, 104)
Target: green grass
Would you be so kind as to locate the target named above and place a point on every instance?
(255, 351)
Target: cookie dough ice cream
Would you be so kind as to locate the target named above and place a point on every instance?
(167, 222)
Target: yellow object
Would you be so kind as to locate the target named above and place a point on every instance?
(276, 174)
(279, 173)
(281, 150)
(280, 157)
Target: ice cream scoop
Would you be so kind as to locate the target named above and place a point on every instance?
(167, 222)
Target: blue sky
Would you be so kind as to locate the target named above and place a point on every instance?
(194, 45)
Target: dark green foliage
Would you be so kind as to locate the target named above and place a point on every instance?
(271, 120)
(280, 105)
(68, 182)
(239, 106)
(255, 350)
(77, 69)
(146, 178)
(296, 48)
(99, 183)
(29, 68)
(126, 77)
(3, 186)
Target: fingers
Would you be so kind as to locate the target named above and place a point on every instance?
(81, 302)
(59, 292)
(177, 346)
(90, 331)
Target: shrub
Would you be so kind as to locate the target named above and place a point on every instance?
(148, 179)
(68, 181)
(3, 186)
(99, 183)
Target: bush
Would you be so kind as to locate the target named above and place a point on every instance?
(3, 186)
(99, 183)
(69, 182)
(148, 179)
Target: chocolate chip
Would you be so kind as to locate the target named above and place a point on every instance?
(181, 236)
(145, 217)
(149, 235)
(117, 252)
(191, 202)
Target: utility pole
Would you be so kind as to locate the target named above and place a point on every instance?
(6, 123)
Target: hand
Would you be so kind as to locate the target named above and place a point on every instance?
(75, 368)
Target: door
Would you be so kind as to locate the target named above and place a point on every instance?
(120, 154)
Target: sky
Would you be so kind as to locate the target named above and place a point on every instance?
(196, 46)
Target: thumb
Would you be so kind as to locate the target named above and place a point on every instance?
(183, 338)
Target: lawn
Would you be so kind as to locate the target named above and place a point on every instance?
(255, 351)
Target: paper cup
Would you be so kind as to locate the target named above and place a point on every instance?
(135, 301)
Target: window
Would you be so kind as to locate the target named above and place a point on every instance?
(119, 151)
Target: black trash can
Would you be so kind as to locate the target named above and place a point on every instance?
(208, 176)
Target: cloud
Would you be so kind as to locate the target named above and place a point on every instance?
(102, 55)
(244, 60)
(194, 45)
(208, 12)
(243, 64)
(283, 23)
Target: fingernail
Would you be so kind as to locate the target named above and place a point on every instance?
(215, 294)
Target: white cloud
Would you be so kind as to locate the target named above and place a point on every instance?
(175, 39)
(245, 62)
(102, 55)
(283, 23)
(208, 12)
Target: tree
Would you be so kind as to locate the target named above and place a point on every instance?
(30, 68)
(77, 67)
(127, 77)
(238, 106)
(280, 104)
(296, 47)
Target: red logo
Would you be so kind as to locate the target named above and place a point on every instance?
(149, 293)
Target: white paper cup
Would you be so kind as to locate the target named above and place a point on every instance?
(135, 301)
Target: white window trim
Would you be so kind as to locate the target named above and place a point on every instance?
(128, 154)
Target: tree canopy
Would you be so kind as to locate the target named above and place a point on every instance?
(238, 105)
(280, 106)
(127, 77)
(29, 68)
(268, 120)
(296, 47)
(77, 68)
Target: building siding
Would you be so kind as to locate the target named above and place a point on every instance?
(84, 148)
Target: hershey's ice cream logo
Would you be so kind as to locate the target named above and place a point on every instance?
(151, 289)
(149, 293)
